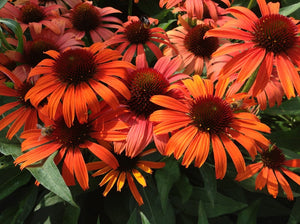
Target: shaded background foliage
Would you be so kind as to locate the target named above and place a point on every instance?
(174, 194)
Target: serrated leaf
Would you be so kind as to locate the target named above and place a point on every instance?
(288, 10)
(2, 3)
(144, 219)
(249, 214)
(165, 178)
(16, 28)
(202, 218)
(210, 183)
(48, 174)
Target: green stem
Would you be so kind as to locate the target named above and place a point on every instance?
(4, 42)
(250, 82)
(150, 208)
(251, 4)
(130, 4)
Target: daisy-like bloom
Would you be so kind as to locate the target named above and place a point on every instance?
(192, 46)
(30, 13)
(94, 21)
(137, 34)
(71, 142)
(128, 169)
(195, 8)
(271, 40)
(24, 115)
(206, 118)
(34, 49)
(272, 94)
(77, 77)
(270, 169)
(143, 83)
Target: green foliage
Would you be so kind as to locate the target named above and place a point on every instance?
(2, 3)
(47, 174)
(15, 27)
(165, 179)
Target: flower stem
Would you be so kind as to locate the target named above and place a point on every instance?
(251, 4)
(130, 7)
(250, 82)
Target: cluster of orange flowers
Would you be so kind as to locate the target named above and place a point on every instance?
(84, 82)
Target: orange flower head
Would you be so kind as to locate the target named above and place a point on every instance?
(211, 114)
(129, 169)
(275, 33)
(30, 13)
(206, 117)
(144, 83)
(24, 114)
(195, 49)
(77, 77)
(269, 41)
(70, 142)
(270, 169)
(197, 44)
(87, 18)
(136, 34)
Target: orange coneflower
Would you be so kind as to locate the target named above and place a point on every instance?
(71, 142)
(270, 168)
(195, 8)
(206, 118)
(34, 48)
(25, 114)
(269, 96)
(271, 40)
(128, 168)
(137, 34)
(30, 13)
(92, 20)
(192, 46)
(143, 84)
(77, 77)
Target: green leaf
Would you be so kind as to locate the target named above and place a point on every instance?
(249, 214)
(202, 218)
(289, 107)
(16, 28)
(288, 10)
(295, 215)
(184, 188)
(286, 139)
(144, 218)
(165, 178)
(152, 207)
(210, 183)
(18, 206)
(51, 207)
(133, 217)
(223, 204)
(48, 174)
(12, 179)
(2, 3)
